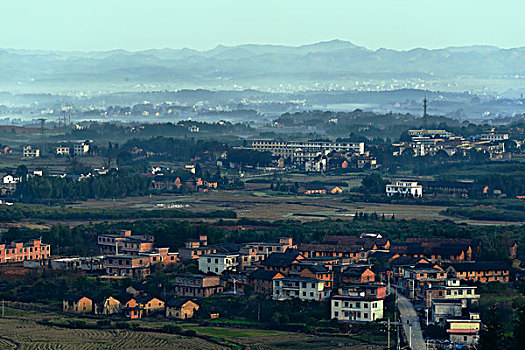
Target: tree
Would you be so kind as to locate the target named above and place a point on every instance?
(373, 183)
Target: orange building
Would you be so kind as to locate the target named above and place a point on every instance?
(181, 309)
(358, 275)
(77, 304)
(137, 307)
(19, 251)
(481, 271)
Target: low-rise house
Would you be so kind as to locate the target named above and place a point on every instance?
(262, 280)
(418, 278)
(282, 262)
(405, 188)
(311, 189)
(111, 306)
(299, 287)
(137, 307)
(200, 286)
(19, 251)
(89, 263)
(481, 271)
(135, 289)
(357, 275)
(443, 309)
(181, 309)
(464, 330)
(77, 304)
(125, 265)
(218, 263)
(315, 271)
(62, 151)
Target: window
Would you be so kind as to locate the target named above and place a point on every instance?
(469, 291)
(365, 305)
(365, 315)
(336, 314)
(336, 303)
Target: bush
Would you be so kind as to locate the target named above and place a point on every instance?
(122, 325)
(172, 329)
(190, 333)
(104, 323)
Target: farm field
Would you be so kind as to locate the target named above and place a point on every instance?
(20, 329)
(254, 203)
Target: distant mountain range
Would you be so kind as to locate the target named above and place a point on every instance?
(332, 64)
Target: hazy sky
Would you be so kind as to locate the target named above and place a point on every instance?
(203, 24)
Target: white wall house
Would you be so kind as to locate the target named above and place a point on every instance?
(404, 189)
(30, 152)
(218, 263)
(356, 308)
(299, 287)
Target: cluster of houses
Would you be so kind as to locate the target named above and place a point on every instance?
(429, 142)
(81, 148)
(353, 274)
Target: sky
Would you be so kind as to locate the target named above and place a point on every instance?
(93, 25)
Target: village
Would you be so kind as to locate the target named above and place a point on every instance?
(355, 276)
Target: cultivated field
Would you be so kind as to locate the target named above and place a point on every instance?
(20, 329)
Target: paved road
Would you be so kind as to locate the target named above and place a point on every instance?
(407, 311)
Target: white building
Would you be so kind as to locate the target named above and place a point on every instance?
(30, 152)
(300, 151)
(81, 149)
(356, 308)
(405, 189)
(194, 128)
(218, 263)
(301, 288)
(492, 137)
(318, 164)
(10, 179)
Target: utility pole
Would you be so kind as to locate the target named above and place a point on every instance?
(410, 336)
(388, 335)
(42, 146)
(3, 308)
(425, 112)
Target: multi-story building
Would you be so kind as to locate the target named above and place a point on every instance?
(125, 243)
(405, 188)
(417, 279)
(442, 309)
(481, 271)
(200, 286)
(19, 251)
(195, 248)
(452, 290)
(493, 137)
(302, 288)
(300, 152)
(62, 151)
(137, 265)
(356, 307)
(81, 149)
(30, 152)
(218, 263)
(125, 265)
(464, 330)
(268, 248)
